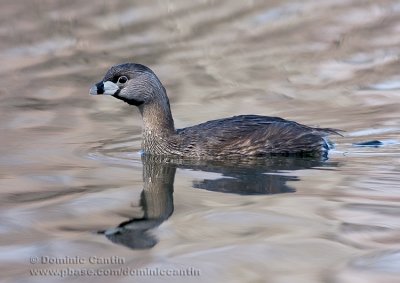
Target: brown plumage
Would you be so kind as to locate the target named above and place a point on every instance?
(238, 136)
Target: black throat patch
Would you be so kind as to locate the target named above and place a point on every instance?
(127, 100)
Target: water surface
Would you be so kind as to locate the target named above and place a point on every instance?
(73, 183)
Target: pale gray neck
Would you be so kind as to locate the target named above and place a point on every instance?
(157, 118)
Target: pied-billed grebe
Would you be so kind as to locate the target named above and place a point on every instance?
(238, 136)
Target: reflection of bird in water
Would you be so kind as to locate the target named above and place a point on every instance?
(244, 177)
(245, 135)
(156, 201)
(257, 177)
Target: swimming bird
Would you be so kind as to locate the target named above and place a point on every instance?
(235, 137)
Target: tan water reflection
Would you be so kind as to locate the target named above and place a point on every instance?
(251, 177)
(69, 163)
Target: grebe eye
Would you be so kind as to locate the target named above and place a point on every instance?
(122, 79)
